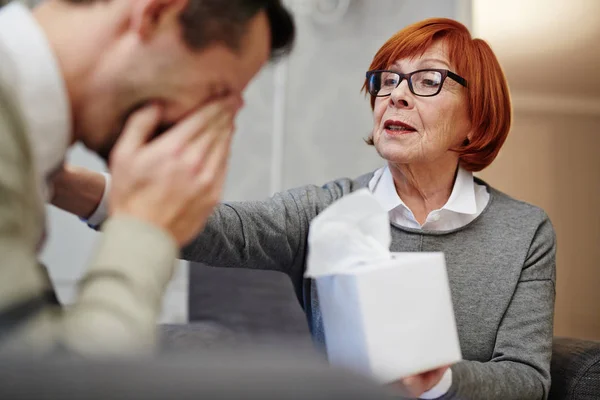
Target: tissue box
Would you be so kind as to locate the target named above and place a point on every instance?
(392, 318)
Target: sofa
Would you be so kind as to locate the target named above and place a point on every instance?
(232, 307)
(227, 374)
(575, 369)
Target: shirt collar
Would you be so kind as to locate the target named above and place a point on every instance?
(382, 186)
(39, 86)
(462, 199)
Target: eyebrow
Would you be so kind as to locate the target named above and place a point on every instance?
(425, 61)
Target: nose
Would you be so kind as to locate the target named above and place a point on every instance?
(401, 96)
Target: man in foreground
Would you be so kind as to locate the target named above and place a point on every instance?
(156, 85)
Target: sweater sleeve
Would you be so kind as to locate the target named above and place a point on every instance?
(258, 234)
(520, 366)
(269, 234)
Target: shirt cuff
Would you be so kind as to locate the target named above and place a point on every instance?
(100, 214)
(441, 388)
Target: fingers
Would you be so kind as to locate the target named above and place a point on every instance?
(418, 384)
(217, 160)
(138, 129)
(209, 175)
(411, 381)
(207, 146)
(189, 140)
(436, 374)
(195, 124)
(205, 188)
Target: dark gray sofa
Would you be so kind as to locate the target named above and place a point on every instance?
(230, 306)
(250, 373)
(575, 369)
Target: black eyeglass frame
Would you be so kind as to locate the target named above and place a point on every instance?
(444, 72)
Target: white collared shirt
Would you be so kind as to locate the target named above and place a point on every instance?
(467, 200)
(36, 79)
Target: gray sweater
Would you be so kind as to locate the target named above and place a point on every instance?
(501, 268)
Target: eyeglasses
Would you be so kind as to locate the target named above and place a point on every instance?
(424, 82)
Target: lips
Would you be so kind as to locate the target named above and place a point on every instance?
(395, 126)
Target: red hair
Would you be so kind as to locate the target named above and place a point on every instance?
(488, 97)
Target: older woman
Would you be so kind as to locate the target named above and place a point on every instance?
(441, 111)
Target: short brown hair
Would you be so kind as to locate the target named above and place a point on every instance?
(488, 96)
(208, 21)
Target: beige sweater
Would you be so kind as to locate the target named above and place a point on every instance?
(120, 296)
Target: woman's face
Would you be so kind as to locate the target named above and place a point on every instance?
(409, 129)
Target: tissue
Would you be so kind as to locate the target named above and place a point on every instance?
(386, 315)
(353, 231)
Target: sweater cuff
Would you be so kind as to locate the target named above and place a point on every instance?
(441, 388)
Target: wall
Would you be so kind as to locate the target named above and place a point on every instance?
(323, 116)
(550, 160)
(551, 58)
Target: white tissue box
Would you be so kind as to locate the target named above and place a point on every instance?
(390, 319)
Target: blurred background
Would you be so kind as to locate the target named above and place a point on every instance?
(305, 121)
(550, 53)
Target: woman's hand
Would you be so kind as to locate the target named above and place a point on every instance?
(414, 386)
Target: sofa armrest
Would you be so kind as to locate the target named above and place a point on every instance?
(575, 369)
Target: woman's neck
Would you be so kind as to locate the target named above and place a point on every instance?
(424, 187)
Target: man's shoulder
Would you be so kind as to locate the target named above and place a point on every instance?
(13, 140)
(17, 173)
(21, 209)
(11, 118)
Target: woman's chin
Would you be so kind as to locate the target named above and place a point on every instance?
(395, 155)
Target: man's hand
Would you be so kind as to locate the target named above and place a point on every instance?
(414, 386)
(175, 180)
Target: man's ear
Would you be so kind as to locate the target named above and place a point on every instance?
(148, 16)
